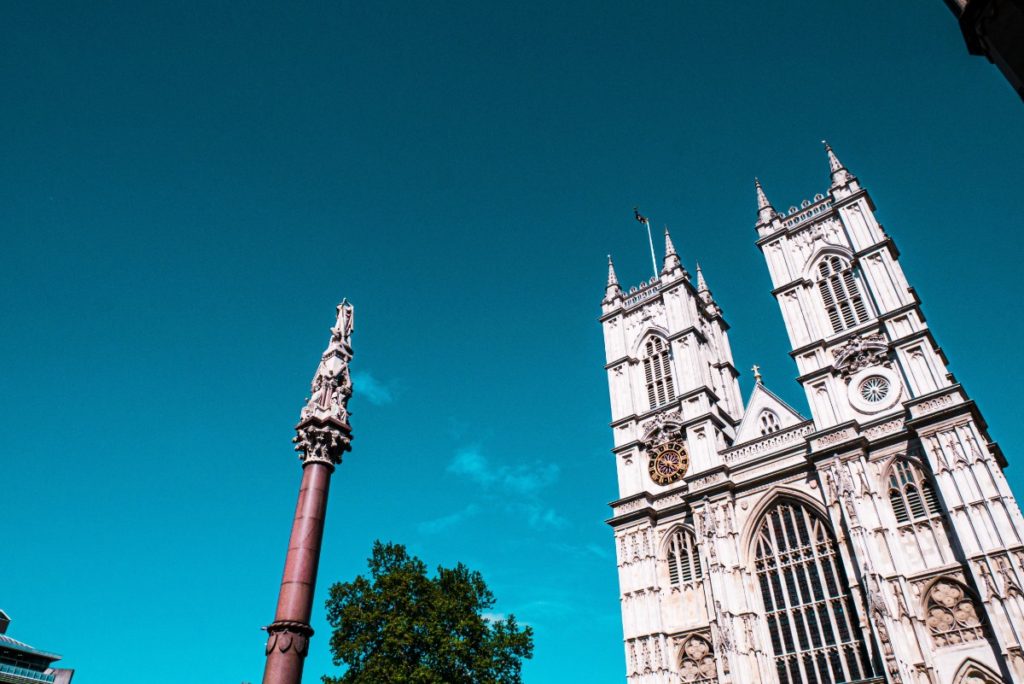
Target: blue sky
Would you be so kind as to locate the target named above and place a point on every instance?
(187, 190)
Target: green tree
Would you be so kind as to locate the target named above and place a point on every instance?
(399, 626)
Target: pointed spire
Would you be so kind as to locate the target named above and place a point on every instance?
(765, 210)
(612, 290)
(840, 176)
(704, 294)
(613, 280)
(323, 432)
(702, 286)
(671, 261)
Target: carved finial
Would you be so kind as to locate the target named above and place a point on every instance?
(612, 290)
(757, 374)
(840, 176)
(671, 261)
(702, 285)
(323, 433)
(765, 210)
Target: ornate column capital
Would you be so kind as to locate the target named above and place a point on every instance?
(323, 433)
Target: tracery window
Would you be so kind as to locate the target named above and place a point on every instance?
(952, 614)
(683, 559)
(911, 494)
(976, 675)
(814, 632)
(658, 373)
(697, 661)
(841, 294)
(769, 422)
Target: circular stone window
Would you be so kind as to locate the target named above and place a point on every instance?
(874, 389)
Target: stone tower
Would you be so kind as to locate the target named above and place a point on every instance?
(876, 541)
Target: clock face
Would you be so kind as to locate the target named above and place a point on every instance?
(668, 463)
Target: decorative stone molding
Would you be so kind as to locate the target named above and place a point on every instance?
(833, 438)
(883, 429)
(936, 403)
(663, 426)
(861, 352)
(323, 433)
(770, 443)
(285, 636)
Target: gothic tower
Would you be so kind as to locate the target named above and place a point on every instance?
(876, 541)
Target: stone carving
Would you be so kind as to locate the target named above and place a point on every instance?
(836, 437)
(770, 442)
(285, 636)
(697, 660)
(723, 629)
(659, 658)
(952, 616)
(886, 428)
(708, 524)
(662, 426)
(861, 352)
(933, 405)
(986, 578)
(323, 433)
(748, 632)
(1010, 585)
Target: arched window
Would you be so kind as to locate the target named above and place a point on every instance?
(683, 560)
(769, 422)
(975, 673)
(810, 614)
(841, 294)
(658, 373)
(953, 616)
(697, 661)
(911, 494)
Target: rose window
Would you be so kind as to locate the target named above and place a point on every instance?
(952, 616)
(874, 389)
(697, 662)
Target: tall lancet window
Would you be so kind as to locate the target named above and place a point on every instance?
(658, 373)
(911, 494)
(683, 560)
(841, 294)
(814, 632)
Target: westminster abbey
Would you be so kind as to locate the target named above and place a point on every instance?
(875, 541)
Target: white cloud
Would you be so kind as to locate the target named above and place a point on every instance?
(447, 521)
(365, 385)
(519, 479)
(519, 485)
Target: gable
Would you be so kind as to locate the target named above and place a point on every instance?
(761, 400)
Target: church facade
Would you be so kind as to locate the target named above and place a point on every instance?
(875, 541)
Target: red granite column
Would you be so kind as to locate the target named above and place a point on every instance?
(322, 436)
(288, 636)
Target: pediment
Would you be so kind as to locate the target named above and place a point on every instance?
(763, 399)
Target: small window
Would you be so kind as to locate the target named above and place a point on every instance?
(769, 422)
(658, 373)
(911, 494)
(683, 559)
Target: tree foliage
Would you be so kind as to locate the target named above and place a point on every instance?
(400, 626)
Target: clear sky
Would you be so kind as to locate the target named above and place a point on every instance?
(188, 189)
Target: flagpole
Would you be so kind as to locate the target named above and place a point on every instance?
(650, 240)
